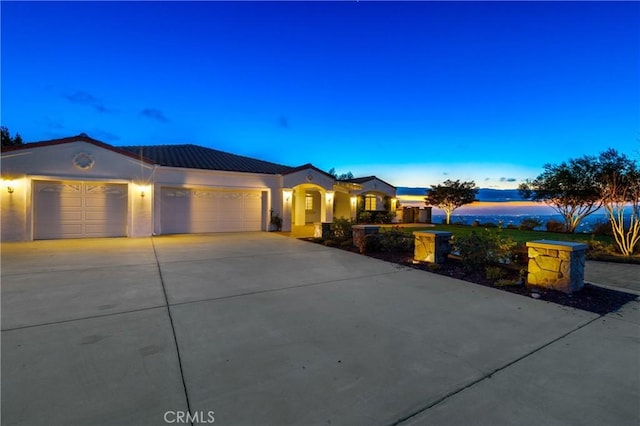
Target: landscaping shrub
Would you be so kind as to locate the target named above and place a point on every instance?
(478, 250)
(489, 225)
(603, 228)
(341, 229)
(394, 240)
(371, 244)
(529, 224)
(555, 226)
(330, 243)
(364, 217)
(382, 217)
(494, 273)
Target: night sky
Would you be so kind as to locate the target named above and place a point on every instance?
(414, 92)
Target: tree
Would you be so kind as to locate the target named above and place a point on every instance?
(7, 140)
(343, 176)
(619, 189)
(570, 188)
(451, 195)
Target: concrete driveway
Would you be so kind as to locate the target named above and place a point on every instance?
(261, 329)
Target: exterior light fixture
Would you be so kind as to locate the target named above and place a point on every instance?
(10, 189)
(287, 193)
(329, 196)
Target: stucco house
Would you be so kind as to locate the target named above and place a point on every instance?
(79, 187)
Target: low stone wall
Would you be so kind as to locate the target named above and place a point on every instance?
(360, 232)
(558, 265)
(432, 246)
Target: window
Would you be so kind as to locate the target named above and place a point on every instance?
(308, 202)
(370, 202)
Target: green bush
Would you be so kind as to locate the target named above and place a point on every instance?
(341, 229)
(394, 240)
(603, 228)
(371, 244)
(555, 226)
(494, 273)
(529, 224)
(478, 250)
(364, 217)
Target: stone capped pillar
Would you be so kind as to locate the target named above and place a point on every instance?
(360, 232)
(558, 265)
(322, 230)
(432, 246)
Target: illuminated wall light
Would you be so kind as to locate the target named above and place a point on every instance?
(287, 194)
(143, 189)
(9, 184)
(354, 200)
(329, 196)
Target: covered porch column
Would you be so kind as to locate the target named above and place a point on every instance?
(287, 195)
(326, 206)
(299, 208)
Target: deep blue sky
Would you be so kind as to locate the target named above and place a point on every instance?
(413, 92)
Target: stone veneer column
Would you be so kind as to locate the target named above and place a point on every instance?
(360, 232)
(432, 246)
(558, 265)
(322, 230)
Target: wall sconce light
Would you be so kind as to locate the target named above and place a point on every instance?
(143, 190)
(9, 184)
(354, 201)
(287, 193)
(329, 196)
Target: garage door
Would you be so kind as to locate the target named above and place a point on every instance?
(79, 209)
(186, 210)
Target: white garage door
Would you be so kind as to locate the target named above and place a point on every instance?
(79, 209)
(186, 210)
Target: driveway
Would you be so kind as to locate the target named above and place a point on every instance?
(261, 329)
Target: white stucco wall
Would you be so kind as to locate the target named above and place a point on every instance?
(56, 162)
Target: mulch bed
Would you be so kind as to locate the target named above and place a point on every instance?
(591, 298)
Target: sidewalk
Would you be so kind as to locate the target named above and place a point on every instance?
(620, 276)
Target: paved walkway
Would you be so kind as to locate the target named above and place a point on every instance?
(620, 276)
(258, 329)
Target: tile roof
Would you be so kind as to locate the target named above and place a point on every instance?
(362, 180)
(82, 137)
(199, 157)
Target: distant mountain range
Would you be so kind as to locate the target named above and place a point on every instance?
(484, 194)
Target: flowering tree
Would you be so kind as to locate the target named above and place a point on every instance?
(619, 189)
(451, 195)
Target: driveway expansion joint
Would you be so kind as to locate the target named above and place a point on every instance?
(173, 331)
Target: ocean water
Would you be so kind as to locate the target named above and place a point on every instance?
(585, 226)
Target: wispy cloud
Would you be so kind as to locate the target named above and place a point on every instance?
(504, 179)
(487, 179)
(85, 98)
(154, 114)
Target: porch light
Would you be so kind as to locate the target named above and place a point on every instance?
(329, 197)
(143, 189)
(9, 184)
(354, 201)
(286, 194)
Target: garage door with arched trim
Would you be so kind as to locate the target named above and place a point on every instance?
(74, 209)
(188, 210)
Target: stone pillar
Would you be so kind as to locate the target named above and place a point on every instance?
(322, 230)
(432, 246)
(558, 265)
(360, 232)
